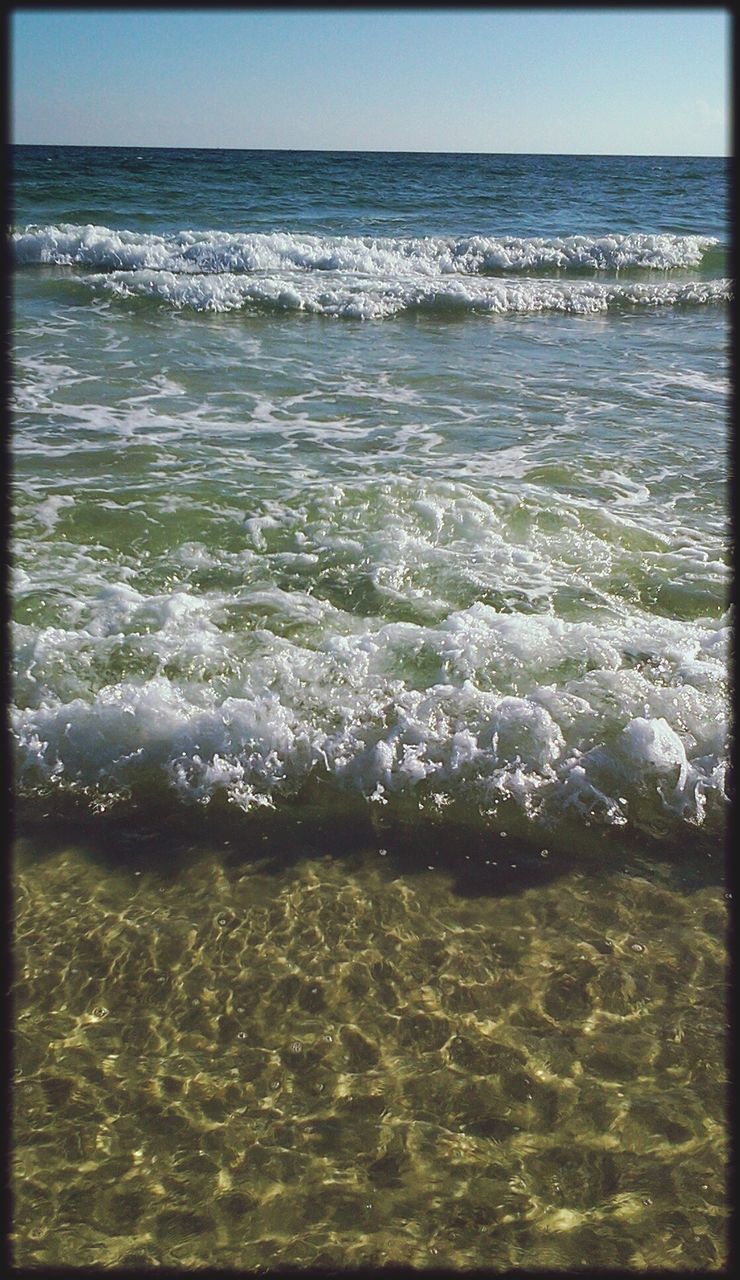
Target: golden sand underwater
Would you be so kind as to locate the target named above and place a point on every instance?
(248, 1057)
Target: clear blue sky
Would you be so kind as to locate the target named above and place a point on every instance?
(626, 81)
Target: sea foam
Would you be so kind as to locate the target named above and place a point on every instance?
(372, 277)
(213, 252)
(588, 732)
(370, 299)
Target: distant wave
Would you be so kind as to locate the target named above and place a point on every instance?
(213, 252)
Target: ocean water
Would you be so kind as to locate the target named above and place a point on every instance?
(369, 707)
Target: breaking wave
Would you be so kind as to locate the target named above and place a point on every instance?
(371, 278)
(373, 298)
(619, 724)
(211, 252)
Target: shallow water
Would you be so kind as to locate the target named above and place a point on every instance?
(275, 1053)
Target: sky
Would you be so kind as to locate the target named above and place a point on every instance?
(629, 81)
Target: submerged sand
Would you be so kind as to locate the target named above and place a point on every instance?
(231, 1058)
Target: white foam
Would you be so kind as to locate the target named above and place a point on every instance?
(374, 298)
(209, 252)
(255, 715)
(371, 277)
(48, 511)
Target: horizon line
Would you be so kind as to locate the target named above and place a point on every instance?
(134, 146)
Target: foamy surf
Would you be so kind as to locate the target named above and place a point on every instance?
(374, 277)
(373, 298)
(456, 570)
(213, 252)
(634, 734)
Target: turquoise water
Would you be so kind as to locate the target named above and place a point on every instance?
(373, 507)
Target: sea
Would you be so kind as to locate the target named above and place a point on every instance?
(370, 594)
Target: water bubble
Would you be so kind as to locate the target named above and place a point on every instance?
(296, 1046)
(637, 946)
(544, 853)
(222, 920)
(242, 1035)
(100, 1011)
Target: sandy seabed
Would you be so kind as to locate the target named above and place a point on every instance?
(247, 1057)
